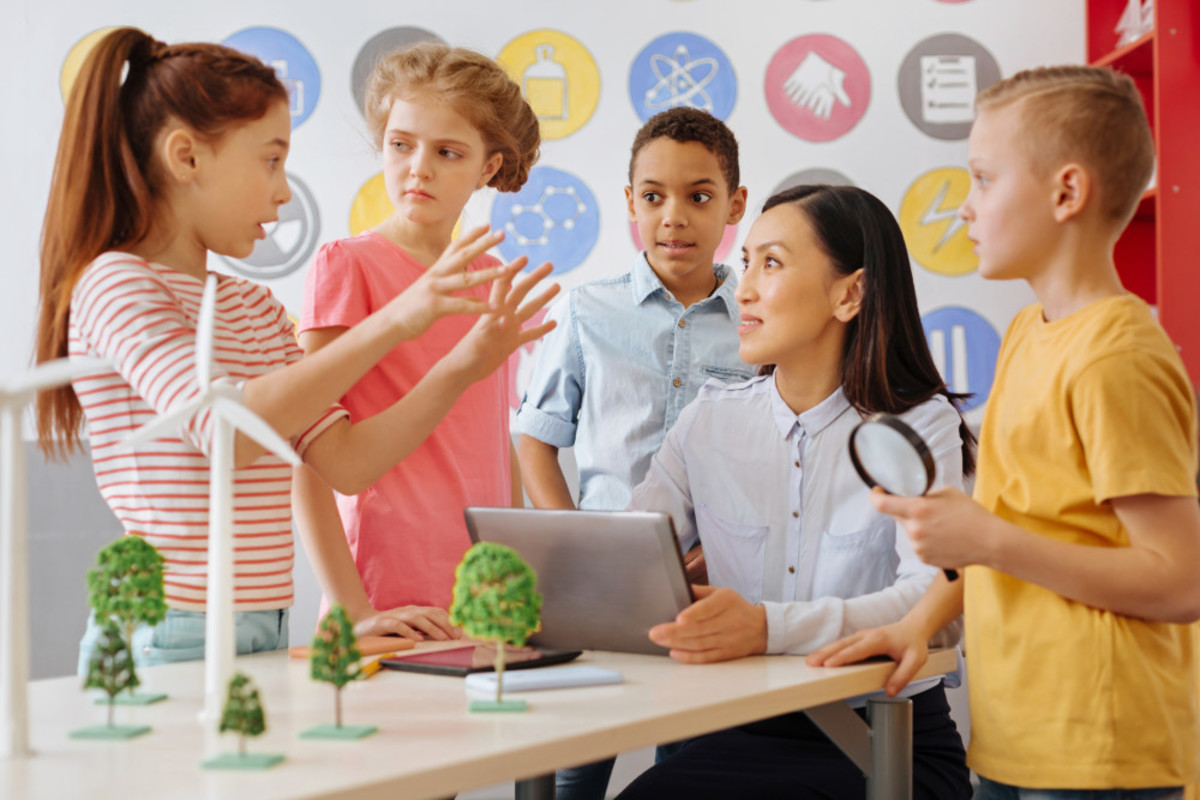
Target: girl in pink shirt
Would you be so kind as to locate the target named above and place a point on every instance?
(449, 121)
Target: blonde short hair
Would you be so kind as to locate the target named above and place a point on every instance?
(473, 85)
(1090, 114)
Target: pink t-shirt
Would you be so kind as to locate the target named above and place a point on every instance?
(406, 531)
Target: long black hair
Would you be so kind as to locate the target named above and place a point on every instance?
(886, 364)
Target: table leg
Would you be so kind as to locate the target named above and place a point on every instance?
(891, 749)
(881, 747)
(538, 788)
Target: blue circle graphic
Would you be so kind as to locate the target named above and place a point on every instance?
(682, 69)
(294, 65)
(553, 218)
(964, 347)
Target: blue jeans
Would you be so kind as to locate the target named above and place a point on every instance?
(991, 790)
(180, 637)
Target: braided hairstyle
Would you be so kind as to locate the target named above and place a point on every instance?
(106, 186)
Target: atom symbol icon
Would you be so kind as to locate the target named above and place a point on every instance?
(549, 223)
(681, 81)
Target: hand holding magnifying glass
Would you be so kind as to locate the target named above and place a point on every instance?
(887, 453)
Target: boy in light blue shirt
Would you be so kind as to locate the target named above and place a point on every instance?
(629, 352)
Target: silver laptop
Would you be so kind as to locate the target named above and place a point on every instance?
(606, 577)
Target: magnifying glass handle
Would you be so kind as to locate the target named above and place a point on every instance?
(951, 574)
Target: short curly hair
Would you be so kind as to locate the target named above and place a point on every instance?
(686, 124)
(473, 85)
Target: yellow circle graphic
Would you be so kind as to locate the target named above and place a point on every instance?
(936, 236)
(558, 77)
(371, 206)
(75, 58)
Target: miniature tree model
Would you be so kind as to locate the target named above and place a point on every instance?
(495, 599)
(243, 713)
(126, 587)
(334, 659)
(110, 668)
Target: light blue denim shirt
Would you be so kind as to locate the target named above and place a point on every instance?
(624, 361)
(783, 516)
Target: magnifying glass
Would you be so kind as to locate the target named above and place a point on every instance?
(887, 453)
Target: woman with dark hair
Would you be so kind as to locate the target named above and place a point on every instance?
(760, 475)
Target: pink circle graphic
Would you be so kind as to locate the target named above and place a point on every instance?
(727, 240)
(818, 87)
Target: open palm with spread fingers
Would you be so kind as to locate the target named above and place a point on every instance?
(500, 330)
(439, 291)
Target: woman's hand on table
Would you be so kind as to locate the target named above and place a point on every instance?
(720, 626)
(908, 647)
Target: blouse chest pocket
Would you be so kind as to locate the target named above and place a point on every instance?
(733, 551)
(858, 562)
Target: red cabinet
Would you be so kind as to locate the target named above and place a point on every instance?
(1158, 256)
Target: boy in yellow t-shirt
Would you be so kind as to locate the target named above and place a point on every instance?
(1081, 548)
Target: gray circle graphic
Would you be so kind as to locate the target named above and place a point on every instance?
(376, 48)
(289, 242)
(938, 81)
(812, 176)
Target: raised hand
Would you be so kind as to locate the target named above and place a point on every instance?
(500, 331)
(439, 291)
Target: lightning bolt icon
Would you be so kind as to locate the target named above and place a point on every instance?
(935, 213)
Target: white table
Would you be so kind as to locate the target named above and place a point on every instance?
(428, 746)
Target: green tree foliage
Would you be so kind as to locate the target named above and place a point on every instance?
(334, 654)
(110, 667)
(496, 599)
(126, 585)
(243, 712)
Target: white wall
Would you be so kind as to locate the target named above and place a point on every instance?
(883, 151)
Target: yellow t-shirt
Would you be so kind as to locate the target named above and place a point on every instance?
(1084, 409)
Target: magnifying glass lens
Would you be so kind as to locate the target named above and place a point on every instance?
(891, 461)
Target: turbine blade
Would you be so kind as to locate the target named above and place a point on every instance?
(53, 373)
(256, 428)
(204, 332)
(163, 425)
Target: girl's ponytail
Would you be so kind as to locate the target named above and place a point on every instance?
(98, 198)
(104, 190)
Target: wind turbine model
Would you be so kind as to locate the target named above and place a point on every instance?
(229, 416)
(15, 394)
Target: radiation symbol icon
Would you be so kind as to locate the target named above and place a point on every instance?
(289, 242)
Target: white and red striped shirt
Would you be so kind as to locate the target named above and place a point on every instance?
(141, 318)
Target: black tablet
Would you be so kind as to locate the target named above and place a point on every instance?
(462, 661)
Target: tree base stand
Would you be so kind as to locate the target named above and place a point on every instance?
(484, 706)
(247, 761)
(135, 699)
(110, 732)
(336, 732)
